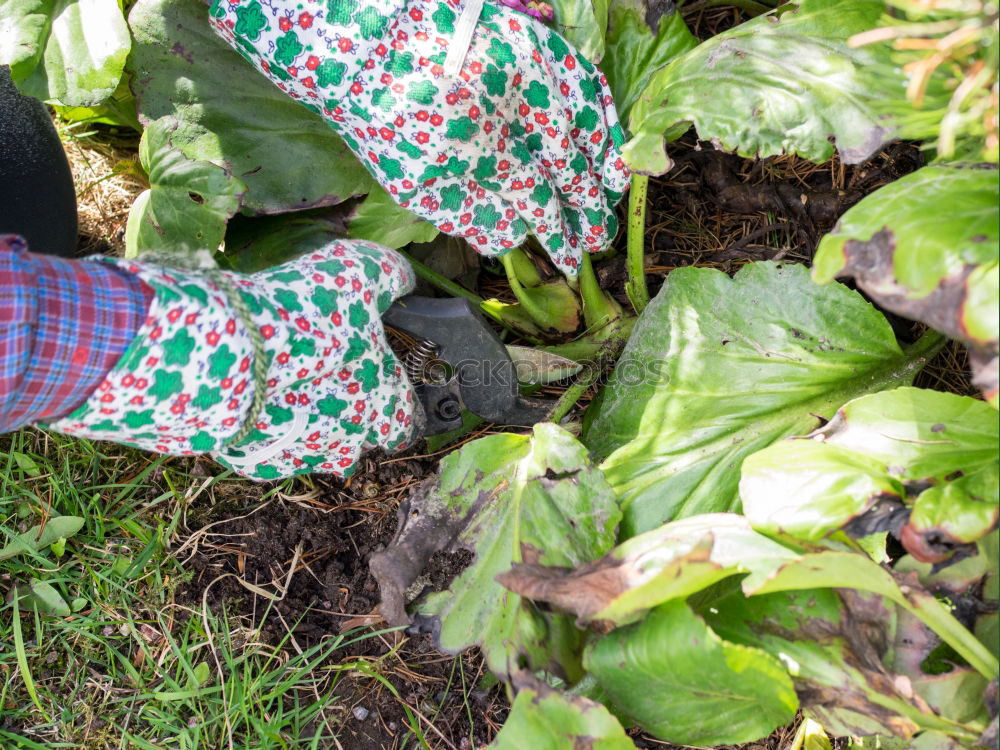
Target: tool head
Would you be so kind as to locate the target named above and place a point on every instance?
(470, 367)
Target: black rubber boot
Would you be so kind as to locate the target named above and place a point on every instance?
(37, 200)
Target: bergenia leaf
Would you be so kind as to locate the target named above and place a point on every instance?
(23, 27)
(832, 648)
(188, 202)
(232, 116)
(544, 719)
(907, 443)
(674, 677)
(815, 490)
(582, 23)
(69, 52)
(785, 82)
(718, 368)
(959, 511)
(927, 247)
(671, 562)
(642, 36)
(957, 694)
(507, 499)
(380, 219)
(833, 569)
(255, 244)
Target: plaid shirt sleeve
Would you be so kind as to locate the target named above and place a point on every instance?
(63, 325)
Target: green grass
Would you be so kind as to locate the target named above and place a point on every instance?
(128, 666)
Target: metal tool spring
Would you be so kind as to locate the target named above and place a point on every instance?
(415, 362)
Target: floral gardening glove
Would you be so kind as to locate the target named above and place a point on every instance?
(332, 387)
(522, 138)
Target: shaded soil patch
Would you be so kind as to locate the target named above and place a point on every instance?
(328, 534)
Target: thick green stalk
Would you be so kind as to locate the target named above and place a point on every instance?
(603, 345)
(599, 308)
(524, 267)
(635, 287)
(536, 313)
(449, 287)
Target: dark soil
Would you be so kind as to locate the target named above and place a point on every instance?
(331, 533)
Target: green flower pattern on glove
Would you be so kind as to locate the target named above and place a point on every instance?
(334, 387)
(375, 71)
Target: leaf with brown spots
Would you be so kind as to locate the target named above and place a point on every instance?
(927, 247)
(928, 458)
(671, 562)
(545, 719)
(505, 498)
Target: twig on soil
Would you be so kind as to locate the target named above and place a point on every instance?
(759, 232)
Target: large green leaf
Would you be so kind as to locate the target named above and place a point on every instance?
(833, 650)
(782, 82)
(938, 448)
(848, 570)
(642, 36)
(671, 562)
(676, 678)
(718, 368)
(583, 23)
(927, 247)
(254, 244)
(506, 498)
(68, 52)
(380, 219)
(23, 27)
(188, 203)
(231, 115)
(544, 719)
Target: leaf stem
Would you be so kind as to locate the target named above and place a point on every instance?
(937, 617)
(929, 344)
(572, 394)
(602, 345)
(536, 313)
(598, 308)
(635, 287)
(443, 283)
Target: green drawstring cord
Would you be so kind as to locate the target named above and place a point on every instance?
(204, 263)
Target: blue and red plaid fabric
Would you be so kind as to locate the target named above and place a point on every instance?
(63, 325)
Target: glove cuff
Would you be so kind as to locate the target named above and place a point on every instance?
(185, 384)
